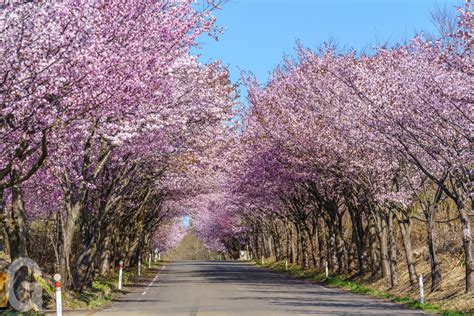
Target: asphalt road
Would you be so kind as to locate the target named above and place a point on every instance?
(234, 288)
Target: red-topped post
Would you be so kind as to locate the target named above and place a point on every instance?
(57, 285)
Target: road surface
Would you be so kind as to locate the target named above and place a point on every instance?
(235, 288)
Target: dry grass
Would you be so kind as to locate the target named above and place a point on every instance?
(448, 300)
(449, 296)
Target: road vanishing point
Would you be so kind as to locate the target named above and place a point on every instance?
(215, 288)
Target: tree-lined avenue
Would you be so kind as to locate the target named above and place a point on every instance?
(211, 288)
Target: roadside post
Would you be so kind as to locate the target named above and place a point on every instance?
(159, 256)
(57, 285)
(422, 293)
(119, 286)
(149, 261)
(326, 269)
(139, 266)
(263, 260)
(286, 264)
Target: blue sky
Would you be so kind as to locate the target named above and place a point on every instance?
(259, 32)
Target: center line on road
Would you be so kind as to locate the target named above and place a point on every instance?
(154, 279)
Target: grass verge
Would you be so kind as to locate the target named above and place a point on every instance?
(100, 295)
(104, 290)
(354, 287)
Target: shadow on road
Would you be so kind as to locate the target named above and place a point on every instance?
(271, 288)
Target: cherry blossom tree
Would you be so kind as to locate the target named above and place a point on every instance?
(337, 148)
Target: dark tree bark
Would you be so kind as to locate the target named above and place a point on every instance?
(405, 230)
(393, 251)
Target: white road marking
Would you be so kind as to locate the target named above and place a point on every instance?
(154, 279)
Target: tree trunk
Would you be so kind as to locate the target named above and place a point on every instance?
(289, 244)
(106, 253)
(393, 251)
(133, 250)
(383, 239)
(435, 267)
(373, 250)
(332, 249)
(256, 248)
(321, 242)
(263, 245)
(358, 235)
(404, 226)
(84, 267)
(276, 246)
(15, 224)
(361, 246)
(304, 250)
(68, 229)
(311, 245)
(341, 249)
(468, 244)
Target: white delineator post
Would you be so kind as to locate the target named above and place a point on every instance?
(286, 264)
(156, 255)
(139, 267)
(327, 269)
(159, 256)
(422, 292)
(57, 285)
(263, 260)
(149, 261)
(119, 286)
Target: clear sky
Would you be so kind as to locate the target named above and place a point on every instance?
(259, 32)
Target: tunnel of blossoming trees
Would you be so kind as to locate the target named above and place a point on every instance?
(112, 131)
